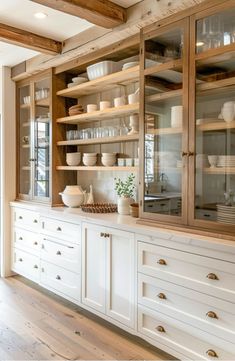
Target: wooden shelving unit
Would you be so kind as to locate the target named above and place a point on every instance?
(164, 96)
(42, 102)
(98, 168)
(101, 114)
(220, 170)
(25, 106)
(170, 65)
(168, 131)
(216, 85)
(216, 126)
(105, 140)
(98, 85)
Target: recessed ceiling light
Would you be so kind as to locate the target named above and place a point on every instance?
(40, 15)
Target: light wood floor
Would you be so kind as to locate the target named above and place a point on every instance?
(35, 324)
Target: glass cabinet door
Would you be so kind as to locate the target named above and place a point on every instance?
(165, 118)
(25, 137)
(213, 110)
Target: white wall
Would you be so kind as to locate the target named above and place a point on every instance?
(8, 161)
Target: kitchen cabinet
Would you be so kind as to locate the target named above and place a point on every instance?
(108, 264)
(187, 136)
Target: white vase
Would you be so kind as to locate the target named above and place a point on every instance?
(123, 205)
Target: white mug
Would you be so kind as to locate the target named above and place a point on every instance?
(133, 98)
(228, 113)
(118, 102)
(91, 108)
(105, 104)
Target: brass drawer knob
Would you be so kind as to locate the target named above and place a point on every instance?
(20, 259)
(20, 217)
(212, 276)
(161, 296)
(59, 229)
(102, 234)
(106, 235)
(35, 221)
(35, 243)
(211, 314)
(20, 238)
(162, 262)
(58, 253)
(35, 266)
(160, 329)
(58, 277)
(211, 353)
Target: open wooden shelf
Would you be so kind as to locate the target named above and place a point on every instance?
(164, 131)
(216, 126)
(25, 146)
(219, 170)
(25, 106)
(216, 85)
(170, 65)
(164, 96)
(101, 114)
(104, 140)
(104, 83)
(43, 102)
(26, 124)
(98, 168)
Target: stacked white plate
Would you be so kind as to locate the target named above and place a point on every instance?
(225, 214)
(77, 80)
(226, 161)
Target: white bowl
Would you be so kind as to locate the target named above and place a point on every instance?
(102, 68)
(73, 159)
(89, 161)
(72, 200)
(89, 155)
(79, 80)
(108, 162)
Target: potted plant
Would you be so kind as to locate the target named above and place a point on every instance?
(125, 191)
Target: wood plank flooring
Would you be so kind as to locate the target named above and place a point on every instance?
(37, 325)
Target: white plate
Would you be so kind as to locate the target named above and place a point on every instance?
(130, 65)
(79, 80)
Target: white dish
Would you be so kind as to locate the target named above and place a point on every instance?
(70, 85)
(130, 65)
(102, 68)
(79, 79)
(108, 162)
(72, 200)
(73, 159)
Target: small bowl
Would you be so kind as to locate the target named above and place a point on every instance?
(108, 162)
(73, 159)
(89, 154)
(72, 200)
(89, 161)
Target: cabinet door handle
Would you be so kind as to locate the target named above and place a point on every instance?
(212, 314)
(58, 253)
(59, 229)
(58, 277)
(106, 235)
(20, 259)
(160, 329)
(35, 266)
(190, 154)
(211, 353)
(162, 262)
(162, 296)
(35, 221)
(184, 154)
(102, 234)
(35, 243)
(212, 276)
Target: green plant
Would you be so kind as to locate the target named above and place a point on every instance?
(125, 188)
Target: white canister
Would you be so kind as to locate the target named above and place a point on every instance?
(228, 111)
(118, 102)
(91, 108)
(133, 98)
(105, 104)
(177, 116)
(124, 205)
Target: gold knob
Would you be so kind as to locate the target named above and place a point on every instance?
(211, 314)
(35, 221)
(35, 266)
(211, 353)
(58, 277)
(162, 296)
(162, 262)
(20, 238)
(102, 234)
(190, 154)
(106, 235)
(184, 154)
(58, 253)
(20, 217)
(59, 229)
(212, 276)
(160, 329)
(20, 260)
(35, 243)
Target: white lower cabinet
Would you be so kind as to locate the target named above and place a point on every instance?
(108, 272)
(26, 264)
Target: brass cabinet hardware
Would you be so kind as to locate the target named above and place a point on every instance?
(184, 154)
(211, 353)
(35, 266)
(58, 253)
(35, 221)
(160, 329)
(58, 277)
(20, 238)
(20, 217)
(211, 314)
(190, 154)
(20, 260)
(161, 296)
(42, 269)
(212, 276)
(162, 262)
(35, 243)
(43, 246)
(106, 235)
(59, 229)
(102, 234)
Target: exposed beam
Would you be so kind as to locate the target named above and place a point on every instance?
(29, 40)
(99, 12)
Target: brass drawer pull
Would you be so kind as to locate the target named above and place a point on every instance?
(58, 253)
(59, 229)
(160, 329)
(20, 259)
(43, 246)
(211, 353)
(106, 235)
(58, 277)
(36, 267)
(184, 154)
(35, 221)
(212, 314)
(190, 154)
(35, 243)
(161, 296)
(212, 276)
(162, 262)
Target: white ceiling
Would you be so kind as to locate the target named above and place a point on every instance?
(57, 25)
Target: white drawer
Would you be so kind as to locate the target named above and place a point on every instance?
(64, 254)
(61, 280)
(177, 335)
(188, 306)
(204, 274)
(26, 264)
(26, 218)
(62, 230)
(26, 240)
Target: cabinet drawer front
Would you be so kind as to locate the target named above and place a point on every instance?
(59, 279)
(61, 254)
(24, 217)
(207, 275)
(205, 312)
(26, 264)
(61, 230)
(174, 334)
(26, 240)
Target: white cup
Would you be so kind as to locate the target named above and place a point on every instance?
(105, 104)
(177, 116)
(118, 102)
(228, 113)
(91, 108)
(133, 98)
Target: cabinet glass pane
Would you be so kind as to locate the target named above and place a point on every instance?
(42, 139)
(163, 128)
(24, 141)
(215, 141)
(215, 31)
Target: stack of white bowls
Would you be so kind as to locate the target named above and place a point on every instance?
(73, 159)
(228, 111)
(89, 159)
(108, 159)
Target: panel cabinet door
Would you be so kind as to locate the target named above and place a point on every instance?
(93, 267)
(120, 276)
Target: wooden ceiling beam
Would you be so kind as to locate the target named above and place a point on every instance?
(99, 12)
(29, 40)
